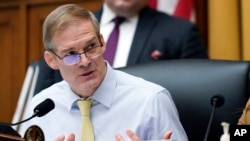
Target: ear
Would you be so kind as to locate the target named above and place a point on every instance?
(51, 60)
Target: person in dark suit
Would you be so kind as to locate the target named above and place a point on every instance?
(146, 35)
(149, 35)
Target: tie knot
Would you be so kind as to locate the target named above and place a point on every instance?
(84, 106)
(118, 20)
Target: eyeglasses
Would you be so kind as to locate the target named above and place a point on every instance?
(75, 58)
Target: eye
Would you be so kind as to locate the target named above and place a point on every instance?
(71, 53)
(90, 46)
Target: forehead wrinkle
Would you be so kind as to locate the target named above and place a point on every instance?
(66, 40)
(84, 36)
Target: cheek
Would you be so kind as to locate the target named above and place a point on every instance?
(67, 73)
(100, 65)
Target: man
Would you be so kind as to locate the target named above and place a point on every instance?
(120, 102)
(149, 35)
(145, 36)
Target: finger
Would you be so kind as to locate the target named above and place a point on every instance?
(118, 137)
(60, 138)
(132, 136)
(71, 137)
(167, 135)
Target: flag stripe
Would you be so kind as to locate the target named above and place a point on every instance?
(184, 9)
(152, 4)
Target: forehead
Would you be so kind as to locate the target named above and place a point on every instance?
(73, 32)
(83, 25)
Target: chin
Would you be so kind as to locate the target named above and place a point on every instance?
(92, 84)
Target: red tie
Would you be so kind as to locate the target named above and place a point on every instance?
(113, 40)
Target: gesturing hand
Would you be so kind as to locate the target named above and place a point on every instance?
(118, 137)
(71, 137)
(134, 137)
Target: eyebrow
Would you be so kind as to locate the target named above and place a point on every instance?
(91, 40)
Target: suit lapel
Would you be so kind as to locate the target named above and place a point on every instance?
(145, 25)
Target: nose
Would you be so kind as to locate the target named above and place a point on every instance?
(84, 60)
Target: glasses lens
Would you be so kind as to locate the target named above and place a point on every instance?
(71, 59)
(93, 52)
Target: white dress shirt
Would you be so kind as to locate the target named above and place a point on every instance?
(126, 35)
(121, 102)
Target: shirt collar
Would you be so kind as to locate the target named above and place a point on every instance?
(107, 15)
(71, 98)
(105, 92)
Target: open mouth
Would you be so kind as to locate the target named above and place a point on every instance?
(88, 73)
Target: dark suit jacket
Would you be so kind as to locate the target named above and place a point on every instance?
(174, 38)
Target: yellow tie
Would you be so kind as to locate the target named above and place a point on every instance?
(87, 128)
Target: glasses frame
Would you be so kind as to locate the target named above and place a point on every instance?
(79, 54)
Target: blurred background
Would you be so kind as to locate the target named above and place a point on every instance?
(224, 27)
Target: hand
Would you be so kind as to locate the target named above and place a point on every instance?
(134, 137)
(71, 137)
(167, 135)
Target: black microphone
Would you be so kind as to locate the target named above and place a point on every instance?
(216, 102)
(40, 110)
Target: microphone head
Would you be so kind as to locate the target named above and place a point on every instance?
(43, 108)
(217, 101)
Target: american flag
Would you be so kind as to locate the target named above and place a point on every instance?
(179, 8)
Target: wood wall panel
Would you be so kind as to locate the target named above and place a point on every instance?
(201, 19)
(12, 62)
